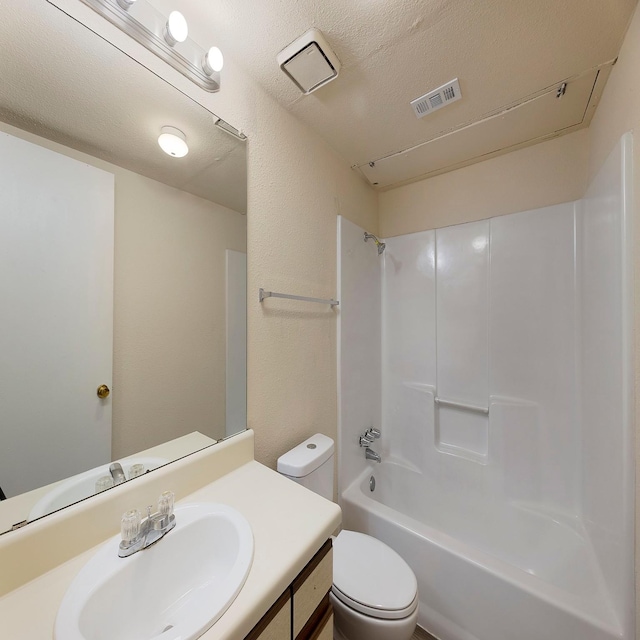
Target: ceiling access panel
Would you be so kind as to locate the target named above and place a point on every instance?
(539, 118)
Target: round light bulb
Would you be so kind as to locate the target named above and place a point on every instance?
(213, 61)
(173, 142)
(177, 28)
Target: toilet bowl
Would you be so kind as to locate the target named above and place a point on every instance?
(374, 592)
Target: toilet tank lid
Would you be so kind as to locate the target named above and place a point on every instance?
(306, 457)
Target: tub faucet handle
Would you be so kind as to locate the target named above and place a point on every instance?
(373, 433)
(365, 441)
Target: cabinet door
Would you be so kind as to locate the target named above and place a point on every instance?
(311, 588)
(276, 624)
(324, 630)
(303, 611)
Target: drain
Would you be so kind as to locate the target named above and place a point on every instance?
(372, 483)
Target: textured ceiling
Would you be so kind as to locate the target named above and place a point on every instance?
(84, 93)
(503, 51)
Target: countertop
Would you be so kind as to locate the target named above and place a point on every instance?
(289, 525)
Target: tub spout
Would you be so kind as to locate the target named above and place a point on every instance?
(370, 454)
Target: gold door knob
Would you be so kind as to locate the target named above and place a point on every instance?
(103, 391)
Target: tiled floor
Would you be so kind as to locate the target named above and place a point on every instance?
(420, 634)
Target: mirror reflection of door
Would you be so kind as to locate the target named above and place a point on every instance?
(56, 315)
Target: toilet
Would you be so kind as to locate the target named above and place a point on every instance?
(374, 592)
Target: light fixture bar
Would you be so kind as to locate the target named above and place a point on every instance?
(148, 26)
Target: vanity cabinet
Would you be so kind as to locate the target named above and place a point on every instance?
(276, 624)
(303, 611)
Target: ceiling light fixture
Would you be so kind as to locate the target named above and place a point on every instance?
(176, 29)
(173, 142)
(213, 61)
(168, 38)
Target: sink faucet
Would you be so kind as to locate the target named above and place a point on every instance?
(138, 534)
(117, 473)
(370, 454)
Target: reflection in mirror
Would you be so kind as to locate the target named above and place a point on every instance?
(122, 268)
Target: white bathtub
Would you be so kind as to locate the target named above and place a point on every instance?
(485, 572)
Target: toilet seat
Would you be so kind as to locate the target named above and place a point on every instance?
(380, 614)
(372, 578)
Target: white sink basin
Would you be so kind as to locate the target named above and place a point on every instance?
(83, 485)
(174, 590)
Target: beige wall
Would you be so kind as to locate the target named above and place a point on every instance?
(297, 186)
(619, 112)
(547, 173)
(169, 346)
(169, 313)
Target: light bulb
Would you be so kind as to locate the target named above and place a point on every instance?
(213, 61)
(126, 4)
(173, 142)
(177, 28)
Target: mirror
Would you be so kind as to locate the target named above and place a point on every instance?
(122, 268)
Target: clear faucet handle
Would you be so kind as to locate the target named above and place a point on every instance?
(130, 525)
(165, 503)
(103, 483)
(136, 470)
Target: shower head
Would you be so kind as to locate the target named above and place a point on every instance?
(381, 245)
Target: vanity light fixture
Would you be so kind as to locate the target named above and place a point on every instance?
(168, 38)
(173, 142)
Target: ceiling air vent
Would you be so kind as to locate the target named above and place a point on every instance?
(309, 61)
(437, 99)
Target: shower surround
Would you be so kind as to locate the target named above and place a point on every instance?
(516, 510)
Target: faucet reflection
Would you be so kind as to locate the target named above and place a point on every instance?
(117, 473)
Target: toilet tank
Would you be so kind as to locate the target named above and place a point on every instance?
(311, 465)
